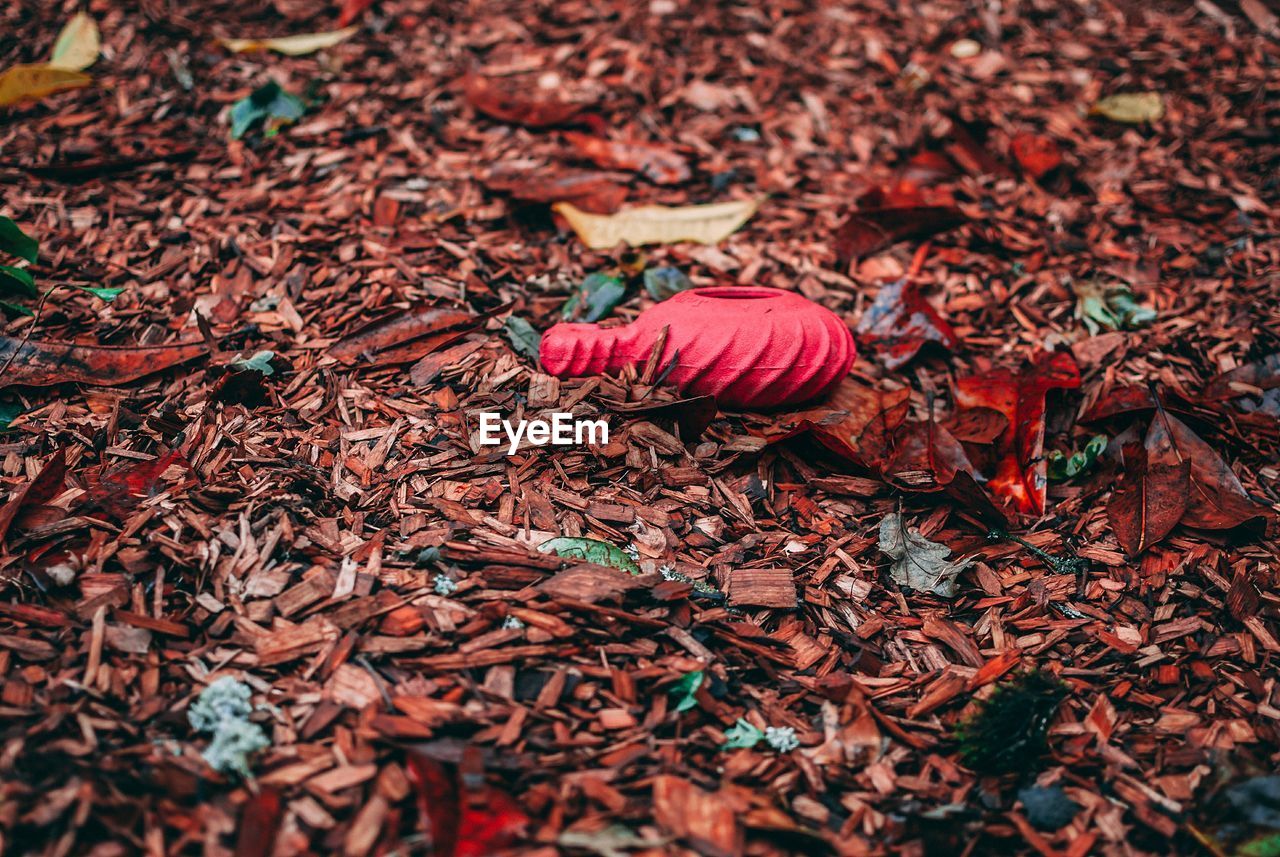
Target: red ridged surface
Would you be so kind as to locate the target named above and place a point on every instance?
(751, 348)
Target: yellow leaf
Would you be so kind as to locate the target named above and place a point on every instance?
(36, 81)
(77, 46)
(1133, 108)
(294, 46)
(658, 224)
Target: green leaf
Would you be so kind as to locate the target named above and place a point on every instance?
(18, 280)
(591, 550)
(742, 736)
(1266, 845)
(524, 339)
(1100, 305)
(1062, 467)
(665, 281)
(9, 411)
(598, 296)
(685, 689)
(1133, 108)
(16, 309)
(106, 293)
(16, 242)
(268, 103)
(259, 362)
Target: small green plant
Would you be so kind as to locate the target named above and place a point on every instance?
(18, 282)
(1007, 732)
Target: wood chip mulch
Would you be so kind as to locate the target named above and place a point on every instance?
(333, 535)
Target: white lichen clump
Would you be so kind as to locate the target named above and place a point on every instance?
(511, 623)
(445, 585)
(781, 738)
(222, 711)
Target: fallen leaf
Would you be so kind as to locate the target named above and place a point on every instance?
(121, 489)
(294, 46)
(260, 824)
(1120, 400)
(590, 550)
(1112, 306)
(977, 425)
(917, 562)
(77, 46)
(1149, 501)
(36, 363)
(1037, 154)
(269, 104)
(598, 193)
(614, 841)
(461, 817)
(22, 82)
(1133, 108)
(598, 296)
(524, 339)
(17, 280)
(1217, 500)
(496, 100)
(869, 230)
(1021, 476)
(900, 321)
(927, 458)
(429, 368)
(664, 281)
(389, 340)
(658, 224)
(685, 690)
(659, 164)
(44, 487)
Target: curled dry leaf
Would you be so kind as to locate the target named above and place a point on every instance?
(497, 99)
(867, 231)
(659, 164)
(41, 364)
(900, 321)
(47, 485)
(658, 224)
(917, 562)
(1021, 477)
(294, 46)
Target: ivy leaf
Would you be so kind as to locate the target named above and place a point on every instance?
(598, 296)
(259, 362)
(17, 309)
(17, 280)
(665, 281)
(269, 103)
(917, 562)
(524, 339)
(591, 550)
(742, 736)
(1062, 467)
(16, 242)
(685, 689)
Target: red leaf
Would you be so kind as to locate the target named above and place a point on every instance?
(496, 98)
(461, 821)
(47, 485)
(1020, 476)
(42, 364)
(900, 321)
(659, 164)
(596, 192)
(1120, 400)
(970, 154)
(389, 340)
(928, 458)
(867, 231)
(121, 489)
(1149, 501)
(352, 9)
(1036, 154)
(259, 824)
(1217, 500)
